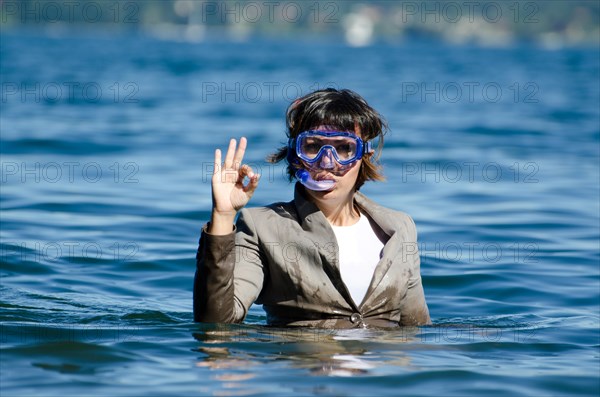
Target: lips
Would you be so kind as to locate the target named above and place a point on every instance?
(324, 178)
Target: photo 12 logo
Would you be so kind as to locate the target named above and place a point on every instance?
(69, 92)
(468, 92)
(253, 91)
(469, 172)
(68, 172)
(70, 333)
(42, 11)
(476, 252)
(261, 11)
(68, 251)
(427, 12)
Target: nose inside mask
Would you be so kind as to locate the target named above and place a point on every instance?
(328, 163)
(327, 160)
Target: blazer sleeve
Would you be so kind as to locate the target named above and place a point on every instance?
(229, 273)
(414, 310)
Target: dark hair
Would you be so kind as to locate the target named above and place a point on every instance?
(344, 110)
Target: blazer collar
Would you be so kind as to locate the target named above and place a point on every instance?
(378, 213)
(304, 206)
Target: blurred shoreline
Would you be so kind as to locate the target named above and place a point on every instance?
(549, 24)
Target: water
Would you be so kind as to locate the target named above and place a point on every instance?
(106, 147)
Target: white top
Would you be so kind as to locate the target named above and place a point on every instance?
(360, 251)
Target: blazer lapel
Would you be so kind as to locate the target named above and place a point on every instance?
(392, 246)
(314, 222)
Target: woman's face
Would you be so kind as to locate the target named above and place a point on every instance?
(328, 168)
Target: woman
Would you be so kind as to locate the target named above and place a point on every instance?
(329, 258)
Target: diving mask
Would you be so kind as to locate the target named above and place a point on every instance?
(319, 150)
(345, 147)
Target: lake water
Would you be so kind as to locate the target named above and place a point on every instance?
(106, 149)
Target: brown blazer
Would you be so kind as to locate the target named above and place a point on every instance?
(285, 257)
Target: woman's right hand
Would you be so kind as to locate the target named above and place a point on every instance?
(229, 194)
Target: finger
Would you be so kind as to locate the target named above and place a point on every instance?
(217, 163)
(251, 187)
(245, 171)
(229, 156)
(239, 154)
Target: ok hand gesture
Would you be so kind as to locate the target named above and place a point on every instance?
(229, 194)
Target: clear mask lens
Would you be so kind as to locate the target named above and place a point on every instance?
(345, 148)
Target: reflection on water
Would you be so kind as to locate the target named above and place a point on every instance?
(235, 349)
(237, 354)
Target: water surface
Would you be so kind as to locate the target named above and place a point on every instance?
(106, 151)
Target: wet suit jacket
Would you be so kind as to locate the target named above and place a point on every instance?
(285, 257)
